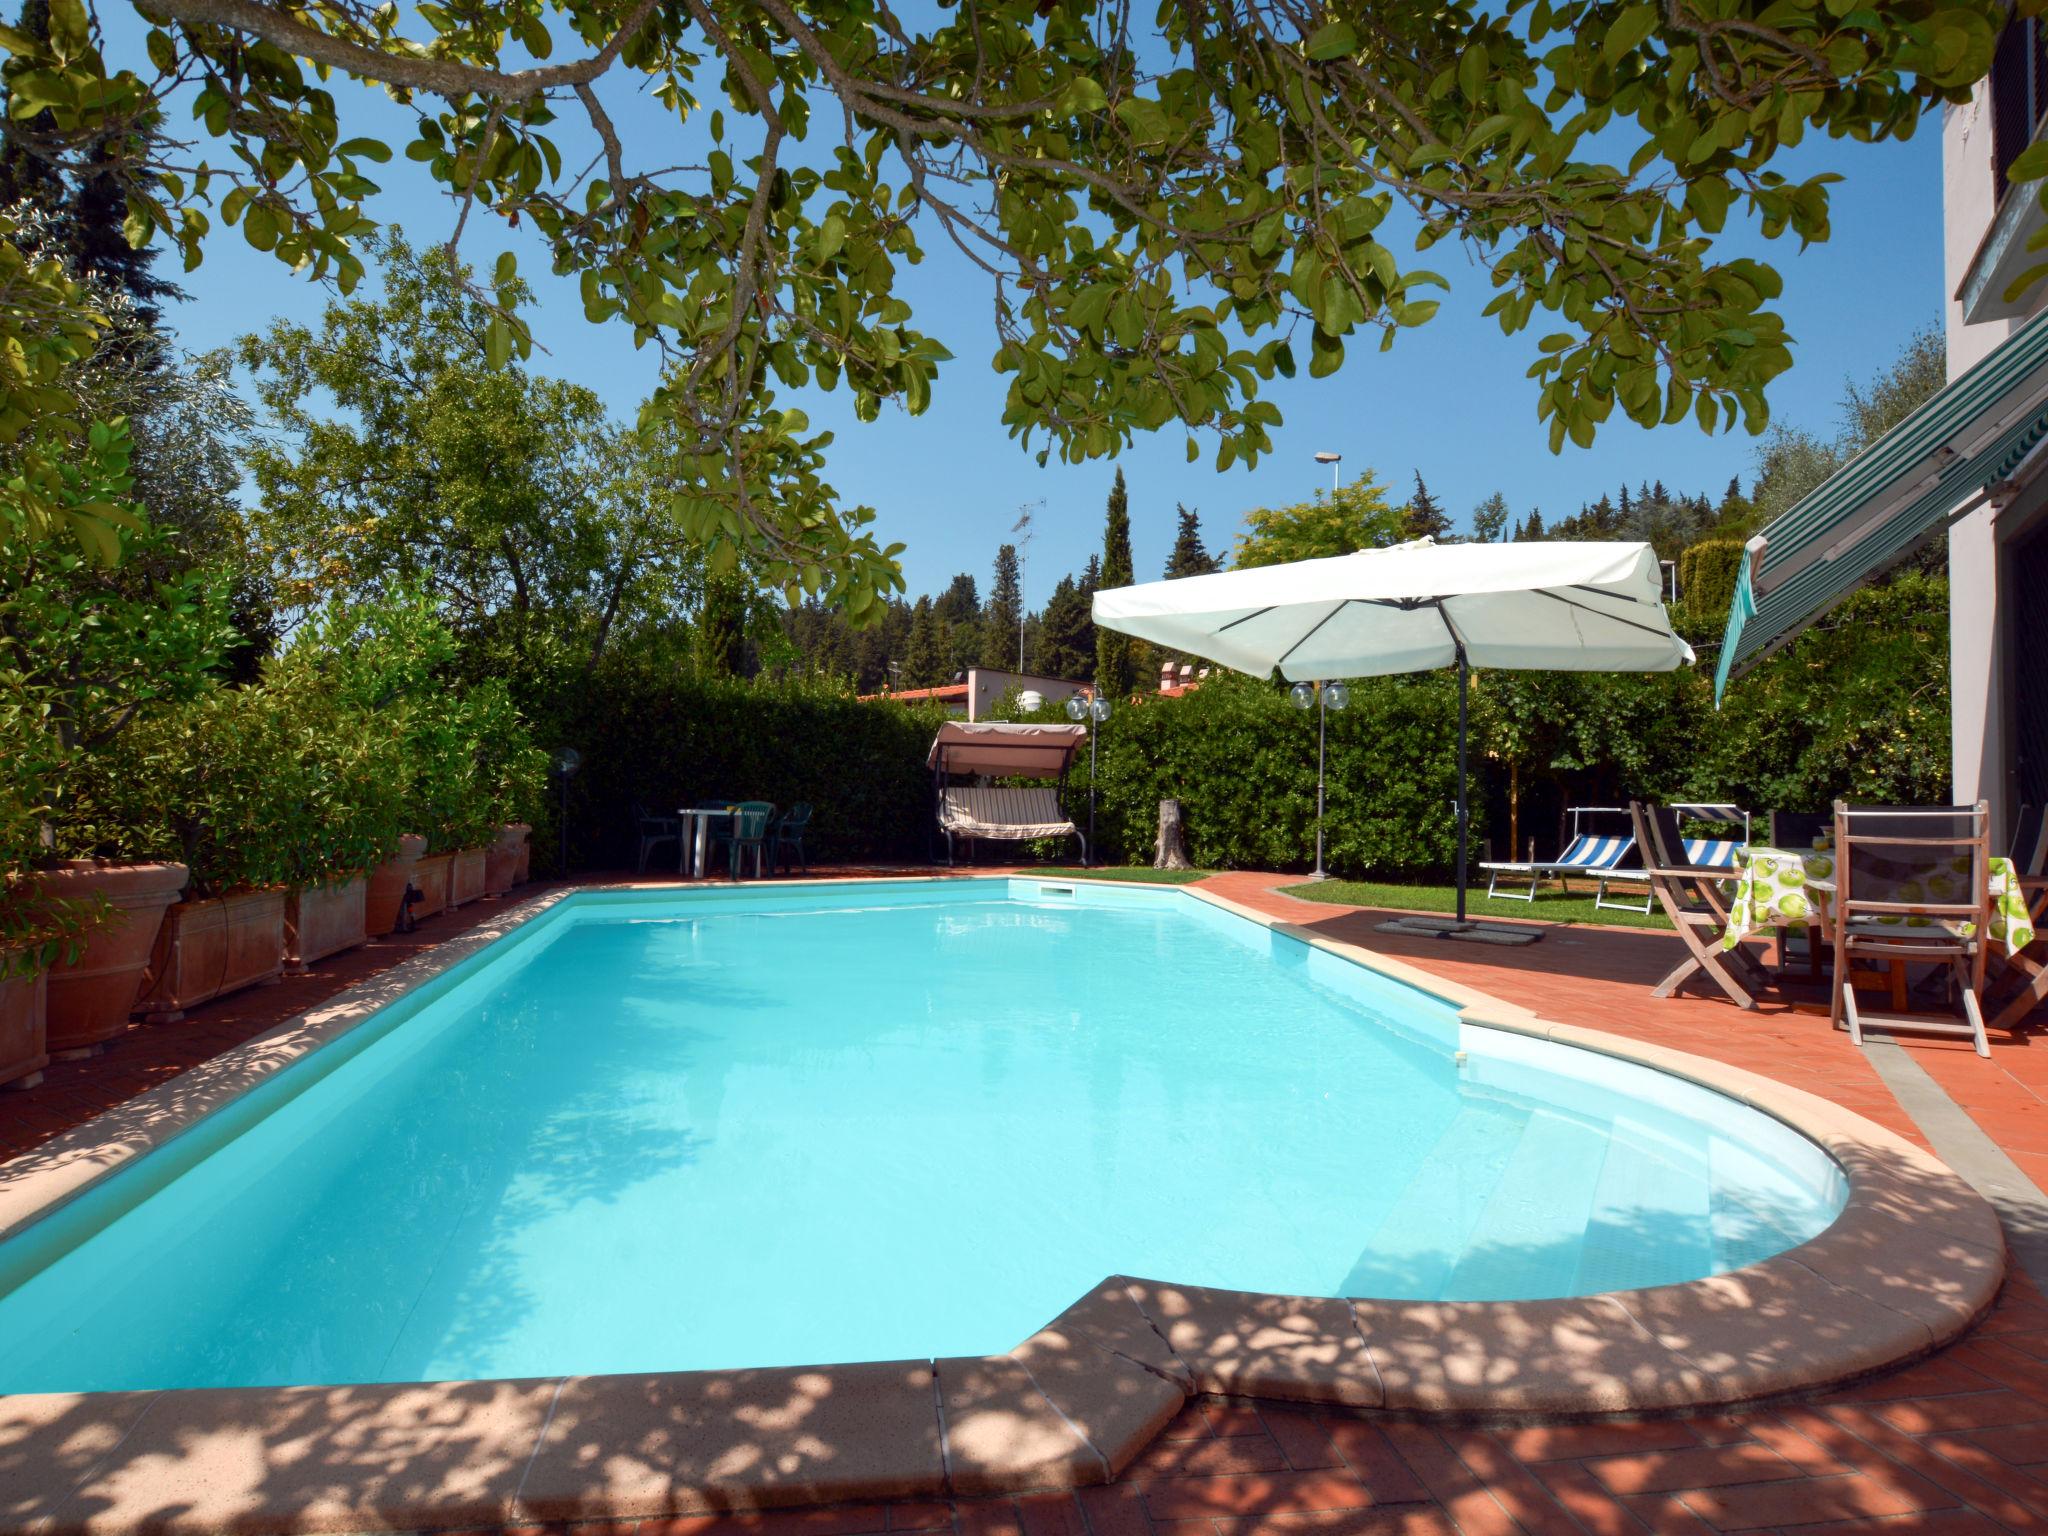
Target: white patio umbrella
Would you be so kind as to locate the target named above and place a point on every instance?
(1541, 607)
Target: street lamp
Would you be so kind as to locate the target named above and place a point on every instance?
(1094, 711)
(1326, 696)
(1333, 460)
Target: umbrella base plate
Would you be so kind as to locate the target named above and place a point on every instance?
(1468, 932)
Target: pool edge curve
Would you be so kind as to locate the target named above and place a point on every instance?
(1913, 1259)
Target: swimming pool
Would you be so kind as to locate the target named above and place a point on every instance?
(657, 1131)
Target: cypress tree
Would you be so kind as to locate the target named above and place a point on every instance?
(1113, 666)
(1005, 613)
(924, 661)
(722, 625)
(1190, 557)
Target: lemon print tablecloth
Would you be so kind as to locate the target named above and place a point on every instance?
(1781, 887)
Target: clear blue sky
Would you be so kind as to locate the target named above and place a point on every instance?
(1450, 399)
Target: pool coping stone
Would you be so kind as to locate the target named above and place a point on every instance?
(1913, 1260)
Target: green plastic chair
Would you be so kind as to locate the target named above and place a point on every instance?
(749, 831)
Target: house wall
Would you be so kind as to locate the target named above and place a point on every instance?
(985, 686)
(1979, 645)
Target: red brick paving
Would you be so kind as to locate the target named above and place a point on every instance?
(1954, 1446)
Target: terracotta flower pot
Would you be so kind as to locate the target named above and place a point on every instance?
(503, 858)
(323, 920)
(387, 885)
(24, 1030)
(430, 879)
(466, 877)
(90, 997)
(213, 947)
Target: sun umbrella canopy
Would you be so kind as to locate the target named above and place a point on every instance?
(1562, 607)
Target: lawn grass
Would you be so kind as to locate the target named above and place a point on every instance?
(1144, 874)
(1551, 905)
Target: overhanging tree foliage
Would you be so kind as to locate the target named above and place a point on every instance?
(1169, 209)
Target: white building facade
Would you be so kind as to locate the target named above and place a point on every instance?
(1998, 545)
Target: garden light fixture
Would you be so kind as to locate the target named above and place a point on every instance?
(1094, 710)
(1328, 696)
(563, 766)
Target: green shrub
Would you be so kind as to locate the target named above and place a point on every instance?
(649, 733)
(1707, 573)
(215, 783)
(1241, 759)
(353, 736)
(87, 652)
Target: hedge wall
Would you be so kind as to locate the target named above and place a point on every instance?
(652, 734)
(1241, 759)
(1858, 706)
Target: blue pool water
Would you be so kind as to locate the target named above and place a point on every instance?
(670, 1131)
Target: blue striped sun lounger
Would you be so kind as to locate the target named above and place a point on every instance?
(1709, 853)
(1586, 855)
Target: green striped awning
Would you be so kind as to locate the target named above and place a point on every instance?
(1890, 499)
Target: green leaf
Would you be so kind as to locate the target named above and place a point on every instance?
(1628, 31)
(1146, 119)
(1333, 41)
(2030, 164)
(1083, 93)
(497, 342)
(1472, 72)
(70, 30)
(831, 236)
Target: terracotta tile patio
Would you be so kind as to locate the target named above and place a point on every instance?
(1956, 1444)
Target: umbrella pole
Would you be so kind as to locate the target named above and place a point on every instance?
(1464, 679)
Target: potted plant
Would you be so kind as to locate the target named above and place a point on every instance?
(341, 869)
(92, 646)
(221, 780)
(514, 773)
(502, 861)
(35, 929)
(458, 749)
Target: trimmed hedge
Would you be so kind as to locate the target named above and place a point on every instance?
(1856, 706)
(1241, 759)
(651, 734)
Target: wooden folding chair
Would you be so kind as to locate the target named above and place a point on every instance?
(1913, 885)
(2030, 860)
(1690, 898)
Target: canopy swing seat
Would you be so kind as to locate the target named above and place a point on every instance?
(989, 749)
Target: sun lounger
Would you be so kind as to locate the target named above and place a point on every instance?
(1704, 854)
(1586, 854)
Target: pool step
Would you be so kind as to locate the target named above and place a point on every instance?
(1415, 1249)
(1527, 1242)
(1649, 1223)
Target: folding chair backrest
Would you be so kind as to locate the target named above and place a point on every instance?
(2030, 840)
(1711, 852)
(1892, 860)
(1667, 847)
(1798, 829)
